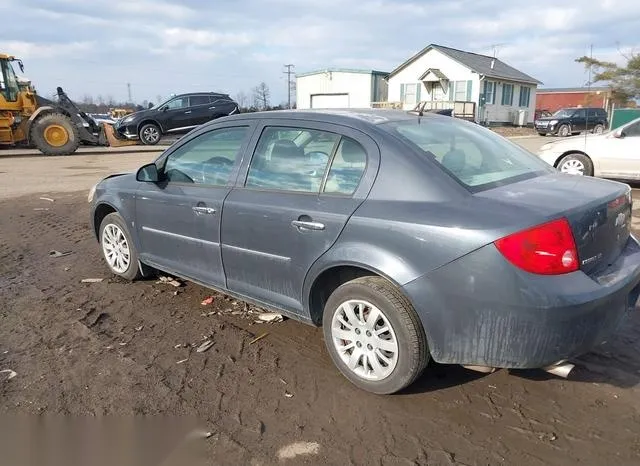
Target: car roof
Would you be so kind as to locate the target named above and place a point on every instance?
(187, 94)
(349, 117)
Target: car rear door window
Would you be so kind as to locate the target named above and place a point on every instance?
(199, 100)
(347, 168)
(291, 159)
(207, 159)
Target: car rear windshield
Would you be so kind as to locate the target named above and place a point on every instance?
(476, 157)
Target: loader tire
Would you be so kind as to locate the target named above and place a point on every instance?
(55, 134)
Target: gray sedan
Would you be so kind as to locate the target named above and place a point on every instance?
(406, 237)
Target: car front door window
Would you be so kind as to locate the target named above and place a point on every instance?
(207, 159)
(181, 102)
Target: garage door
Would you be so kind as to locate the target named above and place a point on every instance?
(330, 101)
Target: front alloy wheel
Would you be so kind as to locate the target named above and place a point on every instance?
(150, 134)
(576, 164)
(117, 247)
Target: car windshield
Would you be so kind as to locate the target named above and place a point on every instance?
(476, 157)
(563, 113)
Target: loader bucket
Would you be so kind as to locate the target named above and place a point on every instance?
(112, 140)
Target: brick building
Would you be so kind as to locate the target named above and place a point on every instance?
(555, 99)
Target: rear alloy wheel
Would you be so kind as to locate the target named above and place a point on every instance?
(374, 335)
(564, 131)
(55, 134)
(150, 134)
(118, 249)
(576, 164)
(598, 129)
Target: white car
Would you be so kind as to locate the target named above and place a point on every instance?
(615, 154)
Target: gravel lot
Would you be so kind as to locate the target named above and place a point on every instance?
(117, 348)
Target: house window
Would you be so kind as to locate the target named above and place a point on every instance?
(489, 92)
(507, 94)
(410, 94)
(461, 91)
(525, 96)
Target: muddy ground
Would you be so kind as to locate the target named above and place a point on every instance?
(117, 348)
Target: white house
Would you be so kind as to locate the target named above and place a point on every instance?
(340, 88)
(501, 93)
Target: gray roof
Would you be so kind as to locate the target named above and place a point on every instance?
(476, 62)
(341, 70)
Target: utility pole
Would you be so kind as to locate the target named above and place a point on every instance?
(129, 91)
(586, 115)
(289, 72)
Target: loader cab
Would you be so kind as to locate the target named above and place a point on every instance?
(9, 88)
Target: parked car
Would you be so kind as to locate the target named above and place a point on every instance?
(180, 114)
(615, 154)
(406, 238)
(568, 121)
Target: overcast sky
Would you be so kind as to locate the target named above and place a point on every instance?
(163, 47)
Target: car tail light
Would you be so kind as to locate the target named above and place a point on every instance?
(547, 249)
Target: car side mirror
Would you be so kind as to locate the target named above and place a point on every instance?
(619, 134)
(163, 109)
(148, 173)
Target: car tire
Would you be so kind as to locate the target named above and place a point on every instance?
(564, 131)
(383, 362)
(115, 238)
(576, 164)
(598, 129)
(150, 134)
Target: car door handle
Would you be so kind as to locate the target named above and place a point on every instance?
(212, 108)
(204, 210)
(308, 225)
(187, 112)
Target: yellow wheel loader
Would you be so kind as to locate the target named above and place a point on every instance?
(53, 127)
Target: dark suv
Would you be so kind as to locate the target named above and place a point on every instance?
(568, 121)
(180, 114)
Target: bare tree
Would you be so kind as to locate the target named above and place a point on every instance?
(158, 99)
(261, 96)
(242, 99)
(87, 99)
(111, 101)
(100, 99)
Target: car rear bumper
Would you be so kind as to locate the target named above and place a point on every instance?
(480, 310)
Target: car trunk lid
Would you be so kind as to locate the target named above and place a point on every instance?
(598, 211)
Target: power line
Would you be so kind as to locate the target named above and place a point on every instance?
(289, 72)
